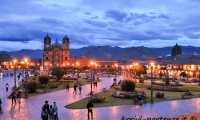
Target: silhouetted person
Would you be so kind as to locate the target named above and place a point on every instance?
(89, 107)
(7, 85)
(74, 89)
(13, 95)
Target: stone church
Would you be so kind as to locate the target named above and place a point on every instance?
(56, 54)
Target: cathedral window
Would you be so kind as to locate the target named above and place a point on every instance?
(46, 58)
(65, 58)
(56, 52)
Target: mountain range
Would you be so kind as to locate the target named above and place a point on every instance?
(109, 52)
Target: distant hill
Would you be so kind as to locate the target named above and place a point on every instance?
(108, 52)
(4, 56)
(34, 54)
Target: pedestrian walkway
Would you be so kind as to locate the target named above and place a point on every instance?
(30, 109)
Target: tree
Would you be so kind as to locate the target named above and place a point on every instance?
(43, 79)
(128, 85)
(183, 74)
(58, 72)
(32, 86)
(85, 68)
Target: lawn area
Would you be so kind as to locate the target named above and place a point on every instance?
(112, 101)
(61, 86)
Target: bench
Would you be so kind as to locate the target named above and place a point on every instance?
(185, 96)
(136, 101)
(89, 94)
(141, 81)
(104, 89)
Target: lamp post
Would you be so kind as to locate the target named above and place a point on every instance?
(26, 73)
(135, 65)
(15, 75)
(151, 100)
(91, 94)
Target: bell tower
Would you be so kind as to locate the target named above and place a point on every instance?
(65, 42)
(66, 48)
(176, 50)
(47, 42)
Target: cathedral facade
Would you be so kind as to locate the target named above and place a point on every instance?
(56, 54)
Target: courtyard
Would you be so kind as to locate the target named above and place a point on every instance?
(30, 109)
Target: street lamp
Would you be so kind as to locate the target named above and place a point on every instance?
(91, 63)
(26, 73)
(135, 65)
(15, 74)
(151, 67)
(116, 67)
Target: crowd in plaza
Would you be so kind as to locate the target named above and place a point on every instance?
(49, 112)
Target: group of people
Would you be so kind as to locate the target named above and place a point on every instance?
(79, 87)
(49, 111)
(15, 95)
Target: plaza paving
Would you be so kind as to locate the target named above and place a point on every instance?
(30, 109)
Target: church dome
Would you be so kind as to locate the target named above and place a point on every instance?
(56, 43)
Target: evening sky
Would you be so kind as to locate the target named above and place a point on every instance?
(123, 23)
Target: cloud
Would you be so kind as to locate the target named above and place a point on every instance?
(116, 15)
(95, 23)
(163, 16)
(121, 23)
(50, 21)
(88, 13)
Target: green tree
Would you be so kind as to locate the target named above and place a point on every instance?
(128, 85)
(183, 74)
(43, 79)
(32, 86)
(85, 68)
(58, 72)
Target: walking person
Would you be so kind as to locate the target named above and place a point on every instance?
(51, 113)
(89, 107)
(19, 95)
(67, 87)
(80, 88)
(1, 111)
(45, 108)
(96, 84)
(7, 85)
(18, 77)
(13, 95)
(44, 113)
(55, 111)
(74, 89)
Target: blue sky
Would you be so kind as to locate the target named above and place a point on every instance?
(123, 23)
